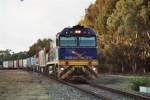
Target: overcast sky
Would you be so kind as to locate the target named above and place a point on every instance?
(22, 23)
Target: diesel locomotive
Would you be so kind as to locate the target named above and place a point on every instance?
(74, 56)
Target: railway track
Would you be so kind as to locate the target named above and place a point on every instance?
(79, 87)
(11, 68)
(103, 92)
(124, 95)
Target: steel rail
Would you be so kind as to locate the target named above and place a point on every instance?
(81, 89)
(125, 93)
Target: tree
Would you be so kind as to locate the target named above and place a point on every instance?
(123, 33)
(40, 44)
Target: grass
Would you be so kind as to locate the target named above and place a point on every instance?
(136, 82)
(120, 82)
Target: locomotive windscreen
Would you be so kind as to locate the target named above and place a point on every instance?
(78, 41)
(68, 41)
(87, 41)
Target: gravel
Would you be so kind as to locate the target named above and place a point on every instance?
(65, 93)
(22, 85)
(105, 93)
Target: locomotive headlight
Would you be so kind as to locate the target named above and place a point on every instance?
(77, 31)
(94, 68)
(61, 68)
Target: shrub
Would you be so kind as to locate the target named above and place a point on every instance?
(136, 82)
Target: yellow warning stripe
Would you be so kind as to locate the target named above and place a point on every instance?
(78, 62)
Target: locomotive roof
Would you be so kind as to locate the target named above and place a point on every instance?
(72, 30)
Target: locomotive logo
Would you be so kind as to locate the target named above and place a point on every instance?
(78, 54)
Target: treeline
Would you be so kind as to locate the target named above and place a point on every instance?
(10, 55)
(123, 31)
(40, 44)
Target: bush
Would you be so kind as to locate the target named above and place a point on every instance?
(136, 82)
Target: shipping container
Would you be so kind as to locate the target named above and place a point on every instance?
(29, 62)
(10, 64)
(33, 61)
(20, 63)
(47, 57)
(42, 58)
(53, 54)
(24, 62)
(37, 60)
(16, 63)
(5, 64)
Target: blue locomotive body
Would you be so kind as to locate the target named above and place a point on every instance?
(77, 54)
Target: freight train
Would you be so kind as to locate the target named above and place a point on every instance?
(73, 56)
